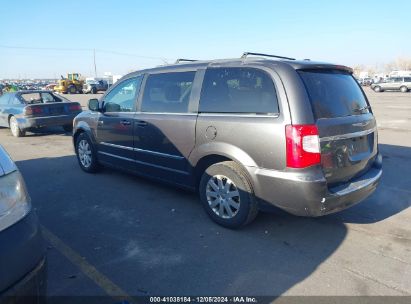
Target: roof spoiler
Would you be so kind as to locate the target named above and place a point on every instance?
(328, 67)
(185, 60)
(245, 54)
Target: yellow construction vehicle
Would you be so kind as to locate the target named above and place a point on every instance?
(71, 85)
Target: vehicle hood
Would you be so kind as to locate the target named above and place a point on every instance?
(6, 163)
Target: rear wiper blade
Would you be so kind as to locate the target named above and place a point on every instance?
(362, 109)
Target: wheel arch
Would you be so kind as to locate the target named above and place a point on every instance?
(82, 127)
(8, 119)
(213, 158)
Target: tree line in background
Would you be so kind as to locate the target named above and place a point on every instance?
(399, 64)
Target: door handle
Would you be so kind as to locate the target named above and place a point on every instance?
(125, 122)
(142, 124)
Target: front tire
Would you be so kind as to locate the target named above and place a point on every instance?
(404, 89)
(86, 154)
(377, 89)
(227, 195)
(15, 129)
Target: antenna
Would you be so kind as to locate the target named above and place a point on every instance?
(245, 54)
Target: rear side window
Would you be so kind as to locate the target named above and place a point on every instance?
(238, 90)
(31, 98)
(333, 93)
(168, 92)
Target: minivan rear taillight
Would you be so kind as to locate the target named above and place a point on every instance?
(302, 146)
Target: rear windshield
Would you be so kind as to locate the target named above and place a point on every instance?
(333, 93)
(41, 97)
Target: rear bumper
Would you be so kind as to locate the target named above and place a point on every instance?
(305, 193)
(47, 121)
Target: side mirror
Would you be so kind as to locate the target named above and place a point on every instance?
(93, 104)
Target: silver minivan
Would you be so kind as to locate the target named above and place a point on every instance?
(402, 84)
(299, 135)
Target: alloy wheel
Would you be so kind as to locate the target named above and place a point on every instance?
(223, 196)
(84, 153)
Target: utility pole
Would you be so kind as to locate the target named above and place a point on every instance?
(95, 67)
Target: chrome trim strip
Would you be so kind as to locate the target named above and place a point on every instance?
(117, 146)
(116, 156)
(348, 135)
(167, 113)
(144, 163)
(142, 150)
(358, 185)
(51, 116)
(276, 115)
(159, 153)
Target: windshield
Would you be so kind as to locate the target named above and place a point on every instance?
(333, 93)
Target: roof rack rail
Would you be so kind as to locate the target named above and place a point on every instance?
(185, 60)
(245, 54)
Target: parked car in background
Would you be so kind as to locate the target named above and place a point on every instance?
(23, 110)
(50, 86)
(402, 84)
(23, 277)
(94, 86)
(366, 81)
(299, 135)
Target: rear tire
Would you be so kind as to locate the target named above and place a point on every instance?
(377, 89)
(227, 195)
(16, 131)
(404, 89)
(86, 154)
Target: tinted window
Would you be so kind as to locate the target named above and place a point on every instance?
(168, 92)
(238, 90)
(123, 97)
(333, 93)
(407, 79)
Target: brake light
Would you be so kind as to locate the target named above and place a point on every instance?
(302, 146)
(33, 110)
(74, 107)
(28, 111)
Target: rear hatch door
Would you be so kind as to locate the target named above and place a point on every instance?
(346, 124)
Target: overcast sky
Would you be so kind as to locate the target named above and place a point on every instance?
(49, 38)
